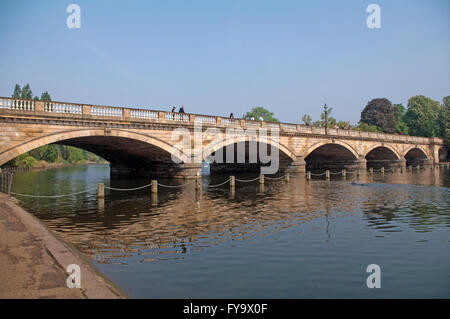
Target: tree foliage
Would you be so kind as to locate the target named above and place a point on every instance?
(379, 112)
(367, 128)
(17, 94)
(446, 107)
(401, 126)
(259, 111)
(46, 97)
(327, 121)
(307, 120)
(422, 116)
(27, 94)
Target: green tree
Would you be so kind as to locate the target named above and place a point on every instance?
(379, 112)
(25, 160)
(345, 124)
(17, 94)
(367, 128)
(325, 117)
(46, 97)
(307, 119)
(259, 111)
(75, 155)
(446, 107)
(422, 116)
(51, 153)
(401, 126)
(27, 94)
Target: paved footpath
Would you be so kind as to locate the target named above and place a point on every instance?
(33, 261)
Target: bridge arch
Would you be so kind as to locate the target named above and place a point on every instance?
(327, 154)
(382, 156)
(285, 155)
(106, 143)
(241, 139)
(416, 155)
(324, 143)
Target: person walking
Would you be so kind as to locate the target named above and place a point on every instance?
(181, 109)
(231, 116)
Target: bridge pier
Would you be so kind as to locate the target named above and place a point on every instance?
(190, 170)
(402, 162)
(361, 163)
(296, 167)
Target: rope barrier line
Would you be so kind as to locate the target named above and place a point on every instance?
(246, 181)
(205, 185)
(127, 189)
(172, 186)
(275, 178)
(218, 185)
(54, 196)
(321, 174)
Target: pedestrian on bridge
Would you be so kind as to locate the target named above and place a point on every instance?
(181, 109)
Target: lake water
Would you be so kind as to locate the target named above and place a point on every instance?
(302, 239)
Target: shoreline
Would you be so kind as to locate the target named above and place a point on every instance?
(34, 261)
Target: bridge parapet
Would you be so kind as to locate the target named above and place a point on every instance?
(114, 113)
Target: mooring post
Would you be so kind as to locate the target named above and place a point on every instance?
(344, 173)
(232, 182)
(418, 167)
(382, 170)
(101, 204)
(100, 190)
(308, 175)
(154, 186)
(287, 177)
(327, 174)
(371, 171)
(410, 168)
(261, 178)
(358, 172)
(154, 197)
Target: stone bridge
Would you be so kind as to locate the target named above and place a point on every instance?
(142, 142)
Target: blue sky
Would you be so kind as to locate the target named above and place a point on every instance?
(217, 57)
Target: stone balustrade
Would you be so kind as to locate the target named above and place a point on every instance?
(141, 114)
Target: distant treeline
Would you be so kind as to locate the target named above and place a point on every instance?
(54, 154)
